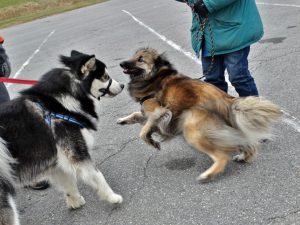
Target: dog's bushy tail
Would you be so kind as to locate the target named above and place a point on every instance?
(254, 117)
(8, 212)
(226, 138)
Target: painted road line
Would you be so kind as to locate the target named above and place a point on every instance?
(277, 4)
(291, 121)
(26, 63)
(166, 40)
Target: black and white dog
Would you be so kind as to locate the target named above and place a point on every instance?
(47, 132)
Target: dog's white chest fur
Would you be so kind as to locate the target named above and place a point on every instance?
(88, 137)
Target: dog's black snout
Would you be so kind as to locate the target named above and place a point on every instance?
(124, 64)
(122, 86)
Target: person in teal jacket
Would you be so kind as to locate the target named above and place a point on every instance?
(232, 26)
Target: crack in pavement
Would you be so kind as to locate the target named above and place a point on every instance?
(118, 151)
(106, 159)
(144, 178)
(106, 145)
(137, 191)
(284, 216)
(110, 214)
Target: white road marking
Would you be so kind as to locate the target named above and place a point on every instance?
(32, 56)
(166, 40)
(291, 121)
(275, 4)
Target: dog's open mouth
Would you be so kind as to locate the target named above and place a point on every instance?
(129, 71)
(133, 72)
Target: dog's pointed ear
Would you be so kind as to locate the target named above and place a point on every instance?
(162, 60)
(72, 61)
(75, 53)
(88, 66)
(67, 61)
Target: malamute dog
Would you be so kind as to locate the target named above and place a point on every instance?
(47, 132)
(210, 120)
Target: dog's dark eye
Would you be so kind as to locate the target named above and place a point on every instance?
(105, 77)
(140, 59)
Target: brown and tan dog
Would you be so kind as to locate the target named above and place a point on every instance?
(210, 120)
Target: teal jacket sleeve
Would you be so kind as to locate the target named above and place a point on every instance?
(215, 5)
(180, 0)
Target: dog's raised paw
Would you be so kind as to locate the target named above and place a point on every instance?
(155, 144)
(121, 121)
(75, 202)
(149, 140)
(115, 199)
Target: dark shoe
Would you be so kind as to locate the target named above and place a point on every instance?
(42, 185)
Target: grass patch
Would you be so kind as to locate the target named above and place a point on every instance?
(14, 12)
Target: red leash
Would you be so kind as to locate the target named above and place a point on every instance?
(17, 81)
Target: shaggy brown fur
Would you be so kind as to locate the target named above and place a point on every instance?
(210, 120)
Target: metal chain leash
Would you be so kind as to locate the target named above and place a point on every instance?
(200, 39)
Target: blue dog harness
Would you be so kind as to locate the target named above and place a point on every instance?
(48, 116)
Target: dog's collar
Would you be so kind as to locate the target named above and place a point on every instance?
(146, 98)
(106, 90)
(48, 116)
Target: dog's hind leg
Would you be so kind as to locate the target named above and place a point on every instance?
(195, 125)
(219, 157)
(67, 182)
(247, 154)
(93, 177)
(220, 161)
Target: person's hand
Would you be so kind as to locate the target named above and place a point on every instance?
(201, 9)
(4, 68)
(4, 63)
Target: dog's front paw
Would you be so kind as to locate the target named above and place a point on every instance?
(75, 202)
(122, 121)
(147, 138)
(155, 144)
(115, 199)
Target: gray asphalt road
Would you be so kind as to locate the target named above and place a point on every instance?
(160, 187)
